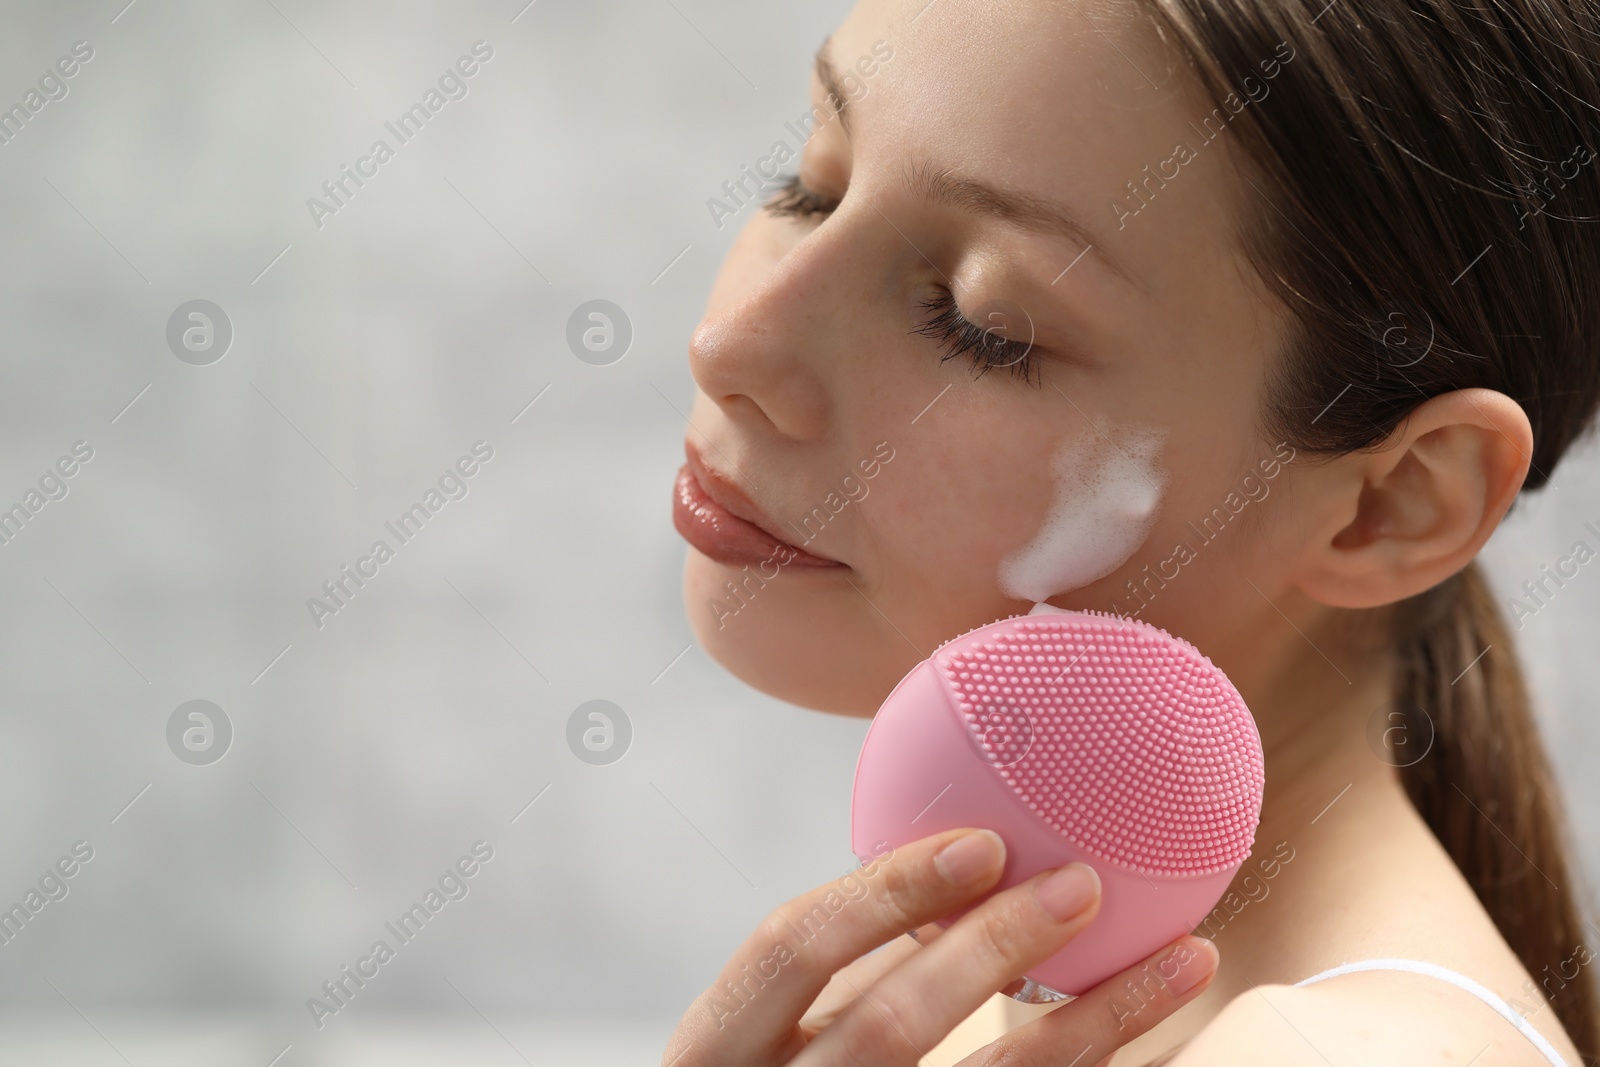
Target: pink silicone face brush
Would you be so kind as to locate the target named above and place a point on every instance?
(1074, 736)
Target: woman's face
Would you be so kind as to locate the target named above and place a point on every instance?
(1021, 159)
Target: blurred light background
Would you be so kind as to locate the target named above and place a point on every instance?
(431, 712)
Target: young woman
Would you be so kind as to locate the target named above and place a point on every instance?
(1291, 299)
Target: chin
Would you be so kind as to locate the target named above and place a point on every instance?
(799, 639)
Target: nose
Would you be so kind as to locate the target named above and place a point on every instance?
(769, 352)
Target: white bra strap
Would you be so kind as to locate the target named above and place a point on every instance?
(1460, 981)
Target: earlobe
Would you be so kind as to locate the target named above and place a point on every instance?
(1408, 515)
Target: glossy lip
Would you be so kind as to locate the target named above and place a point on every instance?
(722, 492)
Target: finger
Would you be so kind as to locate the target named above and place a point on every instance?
(752, 1009)
(1110, 1015)
(915, 1005)
(841, 988)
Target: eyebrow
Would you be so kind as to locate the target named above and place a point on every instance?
(942, 186)
(829, 77)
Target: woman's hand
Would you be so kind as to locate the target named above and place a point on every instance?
(891, 1008)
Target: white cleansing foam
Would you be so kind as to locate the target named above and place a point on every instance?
(1107, 495)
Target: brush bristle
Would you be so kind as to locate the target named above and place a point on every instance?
(1123, 738)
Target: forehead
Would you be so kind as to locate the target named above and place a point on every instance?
(1078, 102)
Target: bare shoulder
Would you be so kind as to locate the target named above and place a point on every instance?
(1375, 1018)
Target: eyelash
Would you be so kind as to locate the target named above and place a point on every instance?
(794, 200)
(959, 336)
(944, 322)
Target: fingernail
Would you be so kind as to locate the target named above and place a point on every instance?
(967, 859)
(1068, 891)
(1188, 965)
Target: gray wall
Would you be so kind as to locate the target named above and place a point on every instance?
(424, 716)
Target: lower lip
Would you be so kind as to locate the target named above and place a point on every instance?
(723, 536)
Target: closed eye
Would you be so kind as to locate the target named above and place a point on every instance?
(794, 200)
(987, 347)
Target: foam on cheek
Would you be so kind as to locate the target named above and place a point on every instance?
(1106, 499)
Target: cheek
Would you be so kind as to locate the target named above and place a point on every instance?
(1105, 500)
(958, 496)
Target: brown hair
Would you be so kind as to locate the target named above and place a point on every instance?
(1422, 191)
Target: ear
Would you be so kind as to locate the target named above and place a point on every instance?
(1407, 516)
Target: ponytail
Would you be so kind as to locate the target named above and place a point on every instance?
(1397, 144)
(1485, 788)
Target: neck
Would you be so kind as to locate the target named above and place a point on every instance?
(1314, 686)
(1314, 678)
